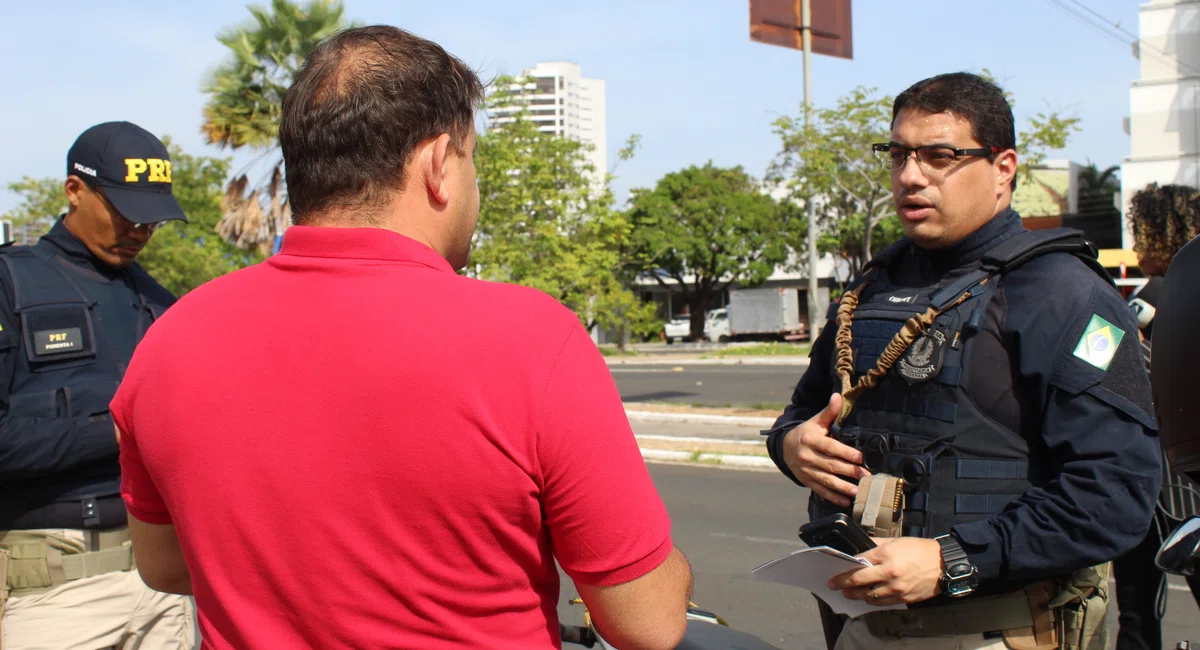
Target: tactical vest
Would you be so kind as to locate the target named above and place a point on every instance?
(66, 367)
(919, 423)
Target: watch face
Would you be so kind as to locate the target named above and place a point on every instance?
(960, 570)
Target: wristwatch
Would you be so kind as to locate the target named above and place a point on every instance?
(960, 577)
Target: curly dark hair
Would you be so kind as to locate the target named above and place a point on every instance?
(1163, 220)
(968, 96)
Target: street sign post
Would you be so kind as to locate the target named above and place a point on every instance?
(821, 26)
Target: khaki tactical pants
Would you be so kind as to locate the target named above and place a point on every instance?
(114, 609)
(856, 636)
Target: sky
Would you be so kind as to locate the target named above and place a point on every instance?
(683, 74)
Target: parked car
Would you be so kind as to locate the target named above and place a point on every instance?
(678, 329)
(716, 327)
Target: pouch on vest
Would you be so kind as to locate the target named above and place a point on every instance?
(879, 505)
(57, 333)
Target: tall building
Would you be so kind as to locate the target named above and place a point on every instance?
(1164, 115)
(562, 101)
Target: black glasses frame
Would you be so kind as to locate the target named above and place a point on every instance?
(886, 147)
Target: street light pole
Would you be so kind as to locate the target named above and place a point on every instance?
(815, 317)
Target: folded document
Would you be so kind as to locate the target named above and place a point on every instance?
(811, 569)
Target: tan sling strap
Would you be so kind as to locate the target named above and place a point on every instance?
(912, 328)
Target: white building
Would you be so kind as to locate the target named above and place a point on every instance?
(562, 101)
(1164, 120)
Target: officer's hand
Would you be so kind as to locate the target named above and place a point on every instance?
(906, 570)
(117, 430)
(818, 460)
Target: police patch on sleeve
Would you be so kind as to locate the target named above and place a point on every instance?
(923, 359)
(1099, 342)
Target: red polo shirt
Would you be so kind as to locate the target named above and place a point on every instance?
(360, 449)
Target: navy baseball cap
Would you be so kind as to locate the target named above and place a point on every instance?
(131, 165)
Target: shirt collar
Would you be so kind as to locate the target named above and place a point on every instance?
(1006, 224)
(359, 244)
(62, 243)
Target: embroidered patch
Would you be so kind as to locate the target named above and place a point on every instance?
(49, 342)
(1099, 342)
(923, 359)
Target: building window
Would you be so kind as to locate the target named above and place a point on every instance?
(545, 85)
(560, 83)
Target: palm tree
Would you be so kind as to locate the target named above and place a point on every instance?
(1092, 179)
(1097, 188)
(245, 96)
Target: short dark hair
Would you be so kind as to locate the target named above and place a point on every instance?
(1163, 219)
(969, 96)
(361, 104)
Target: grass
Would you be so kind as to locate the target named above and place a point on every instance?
(614, 351)
(773, 349)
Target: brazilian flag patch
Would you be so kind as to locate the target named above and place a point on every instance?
(1099, 342)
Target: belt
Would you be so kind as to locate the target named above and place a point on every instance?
(970, 616)
(39, 561)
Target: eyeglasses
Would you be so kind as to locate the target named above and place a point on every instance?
(145, 227)
(932, 157)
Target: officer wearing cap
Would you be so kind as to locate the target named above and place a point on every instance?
(978, 402)
(72, 308)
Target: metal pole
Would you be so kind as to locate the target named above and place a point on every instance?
(815, 315)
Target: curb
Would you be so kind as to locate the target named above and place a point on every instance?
(694, 361)
(654, 416)
(700, 458)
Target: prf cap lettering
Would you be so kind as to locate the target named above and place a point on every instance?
(160, 170)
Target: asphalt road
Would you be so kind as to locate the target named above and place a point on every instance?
(730, 521)
(707, 385)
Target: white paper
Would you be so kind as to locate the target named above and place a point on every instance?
(811, 569)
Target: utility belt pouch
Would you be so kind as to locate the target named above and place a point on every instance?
(879, 505)
(1044, 633)
(3, 591)
(1081, 605)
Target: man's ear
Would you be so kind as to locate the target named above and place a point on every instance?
(1006, 168)
(435, 157)
(75, 188)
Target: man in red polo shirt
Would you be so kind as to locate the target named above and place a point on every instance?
(351, 446)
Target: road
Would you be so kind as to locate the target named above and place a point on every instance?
(707, 385)
(730, 521)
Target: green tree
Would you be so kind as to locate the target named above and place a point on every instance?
(1096, 211)
(180, 256)
(183, 256)
(547, 222)
(830, 162)
(42, 200)
(1043, 133)
(1094, 180)
(244, 104)
(705, 228)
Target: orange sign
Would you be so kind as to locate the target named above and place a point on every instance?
(777, 22)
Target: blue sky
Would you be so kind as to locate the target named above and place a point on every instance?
(682, 73)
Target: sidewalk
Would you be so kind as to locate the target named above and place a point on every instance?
(680, 434)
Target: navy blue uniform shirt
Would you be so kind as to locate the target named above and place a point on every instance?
(1094, 425)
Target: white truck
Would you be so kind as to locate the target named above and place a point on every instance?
(766, 312)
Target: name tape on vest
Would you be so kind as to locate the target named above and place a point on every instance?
(48, 342)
